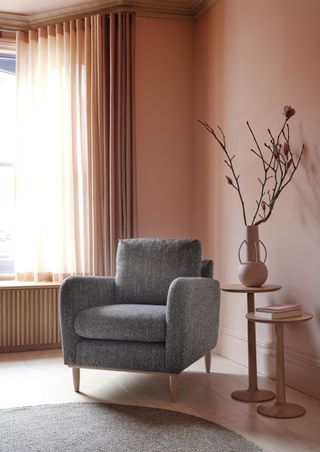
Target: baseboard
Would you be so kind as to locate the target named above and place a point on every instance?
(302, 369)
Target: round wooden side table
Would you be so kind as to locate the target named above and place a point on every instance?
(252, 394)
(281, 408)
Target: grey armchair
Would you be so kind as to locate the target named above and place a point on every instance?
(160, 313)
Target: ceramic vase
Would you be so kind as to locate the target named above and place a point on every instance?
(252, 271)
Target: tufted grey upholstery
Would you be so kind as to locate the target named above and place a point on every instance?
(160, 313)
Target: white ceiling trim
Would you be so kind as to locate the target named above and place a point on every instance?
(166, 9)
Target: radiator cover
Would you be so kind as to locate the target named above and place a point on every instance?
(29, 317)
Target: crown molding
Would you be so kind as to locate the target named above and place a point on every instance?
(11, 21)
(201, 6)
(140, 7)
(173, 9)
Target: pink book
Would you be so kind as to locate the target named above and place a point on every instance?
(279, 308)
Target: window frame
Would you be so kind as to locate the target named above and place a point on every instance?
(7, 47)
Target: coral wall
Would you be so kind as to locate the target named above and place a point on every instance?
(163, 126)
(252, 58)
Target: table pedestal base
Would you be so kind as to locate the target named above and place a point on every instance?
(281, 410)
(257, 395)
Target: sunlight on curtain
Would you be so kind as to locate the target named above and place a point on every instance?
(64, 189)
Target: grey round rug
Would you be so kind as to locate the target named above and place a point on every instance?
(95, 427)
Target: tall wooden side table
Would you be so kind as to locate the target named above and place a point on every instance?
(281, 408)
(252, 394)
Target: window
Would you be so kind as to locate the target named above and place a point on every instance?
(7, 152)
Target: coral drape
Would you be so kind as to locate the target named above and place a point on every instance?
(75, 146)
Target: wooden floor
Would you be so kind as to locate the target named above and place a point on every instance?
(33, 378)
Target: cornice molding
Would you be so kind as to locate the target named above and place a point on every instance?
(173, 9)
(11, 21)
(201, 6)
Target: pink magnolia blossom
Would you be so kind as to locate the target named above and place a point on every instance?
(288, 164)
(276, 153)
(286, 149)
(288, 111)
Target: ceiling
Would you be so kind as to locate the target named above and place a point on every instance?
(37, 6)
(21, 14)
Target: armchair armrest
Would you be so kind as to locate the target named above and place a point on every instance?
(193, 306)
(77, 293)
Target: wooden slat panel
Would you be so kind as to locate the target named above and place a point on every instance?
(29, 318)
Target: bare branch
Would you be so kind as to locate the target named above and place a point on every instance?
(229, 163)
(278, 168)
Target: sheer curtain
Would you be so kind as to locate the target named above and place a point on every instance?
(75, 146)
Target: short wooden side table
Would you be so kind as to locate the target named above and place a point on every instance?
(281, 408)
(252, 394)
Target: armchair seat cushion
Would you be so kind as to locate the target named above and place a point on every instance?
(123, 322)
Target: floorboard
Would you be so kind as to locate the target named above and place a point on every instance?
(32, 378)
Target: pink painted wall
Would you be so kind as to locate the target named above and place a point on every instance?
(164, 81)
(252, 58)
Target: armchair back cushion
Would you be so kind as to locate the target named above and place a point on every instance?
(146, 268)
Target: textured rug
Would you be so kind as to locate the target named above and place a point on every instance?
(94, 427)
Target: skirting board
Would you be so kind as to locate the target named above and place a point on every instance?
(302, 370)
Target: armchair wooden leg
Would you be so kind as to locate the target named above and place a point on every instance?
(173, 379)
(76, 378)
(208, 361)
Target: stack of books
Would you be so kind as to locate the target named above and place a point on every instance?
(279, 311)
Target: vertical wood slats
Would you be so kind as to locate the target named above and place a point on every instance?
(29, 318)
